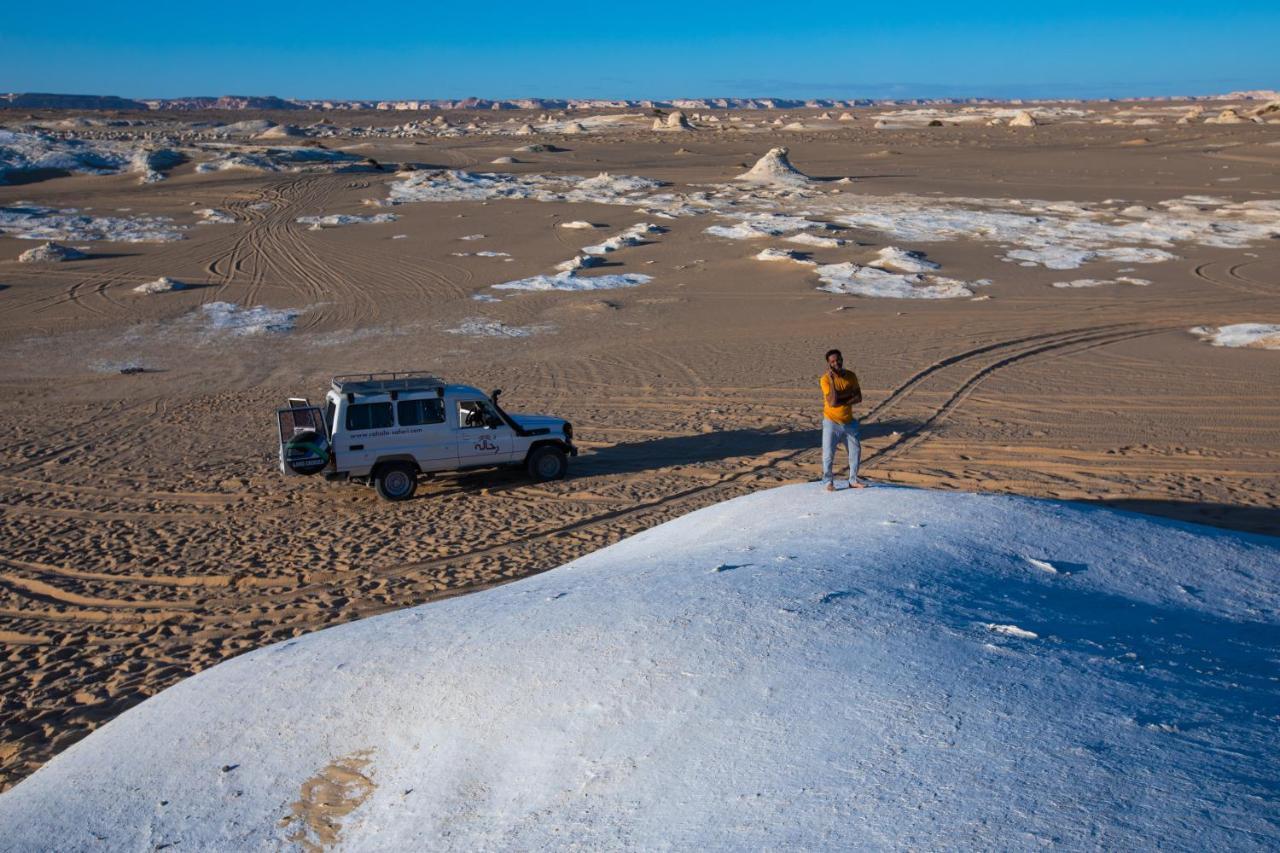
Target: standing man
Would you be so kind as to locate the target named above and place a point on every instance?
(840, 391)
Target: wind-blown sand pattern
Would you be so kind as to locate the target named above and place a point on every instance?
(148, 534)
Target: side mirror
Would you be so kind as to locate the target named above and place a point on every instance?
(494, 396)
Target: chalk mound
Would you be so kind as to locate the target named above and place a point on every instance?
(774, 168)
(580, 262)
(504, 161)
(1228, 116)
(1247, 335)
(164, 284)
(249, 127)
(845, 117)
(51, 253)
(904, 260)
(676, 120)
(1023, 119)
(788, 670)
(784, 255)
(282, 131)
(525, 130)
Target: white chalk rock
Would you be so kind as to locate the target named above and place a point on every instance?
(164, 284)
(774, 168)
(50, 253)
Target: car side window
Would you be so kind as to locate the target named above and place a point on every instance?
(361, 416)
(419, 412)
(473, 414)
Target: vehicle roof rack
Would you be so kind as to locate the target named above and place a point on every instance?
(386, 382)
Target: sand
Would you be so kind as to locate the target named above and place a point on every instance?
(148, 534)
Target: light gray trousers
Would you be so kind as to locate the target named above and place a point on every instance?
(833, 434)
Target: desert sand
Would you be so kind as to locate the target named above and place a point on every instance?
(1018, 302)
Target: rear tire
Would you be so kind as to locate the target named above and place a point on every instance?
(396, 481)
(547, 463)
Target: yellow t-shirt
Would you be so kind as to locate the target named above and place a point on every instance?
(846, 381)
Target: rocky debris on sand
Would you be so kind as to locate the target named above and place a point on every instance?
(214, 216)
(1023, 119)
(504, 161)
(164, 284)
(579, 224)
(50, 252)
(774, 168)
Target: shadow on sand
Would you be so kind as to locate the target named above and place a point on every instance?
(1250, 519)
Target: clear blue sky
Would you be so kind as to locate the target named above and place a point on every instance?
(645, 49)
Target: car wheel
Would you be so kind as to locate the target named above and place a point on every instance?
(548, 463)
(396, 481)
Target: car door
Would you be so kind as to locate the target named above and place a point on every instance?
(425, 430)
(366, 429)
(483, 438)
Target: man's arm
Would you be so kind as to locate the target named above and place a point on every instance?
(850, 397)
(829, 390)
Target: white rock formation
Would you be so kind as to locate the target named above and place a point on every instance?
(1023, 119)
(676, 121)
(774, 168)
(164, 284)
(50, 253)
(281, 131)
(1227, 116)
(788, 670)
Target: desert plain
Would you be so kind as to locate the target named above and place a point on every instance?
(1017, 301)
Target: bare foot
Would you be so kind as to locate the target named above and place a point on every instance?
(831, 487)
(858, 485)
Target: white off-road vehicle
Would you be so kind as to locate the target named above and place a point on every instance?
(388, 428)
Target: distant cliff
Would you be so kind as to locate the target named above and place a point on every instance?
(43, 101)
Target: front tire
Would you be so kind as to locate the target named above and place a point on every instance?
(396, 481)
(547, 463)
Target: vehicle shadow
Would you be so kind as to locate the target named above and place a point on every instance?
(673, 452)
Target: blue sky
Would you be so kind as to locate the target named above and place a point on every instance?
(657, 49)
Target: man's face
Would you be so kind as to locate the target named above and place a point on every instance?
(835, 362)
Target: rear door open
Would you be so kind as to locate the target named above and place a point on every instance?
(304, 441)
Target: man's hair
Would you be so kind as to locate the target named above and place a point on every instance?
(832, 352)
